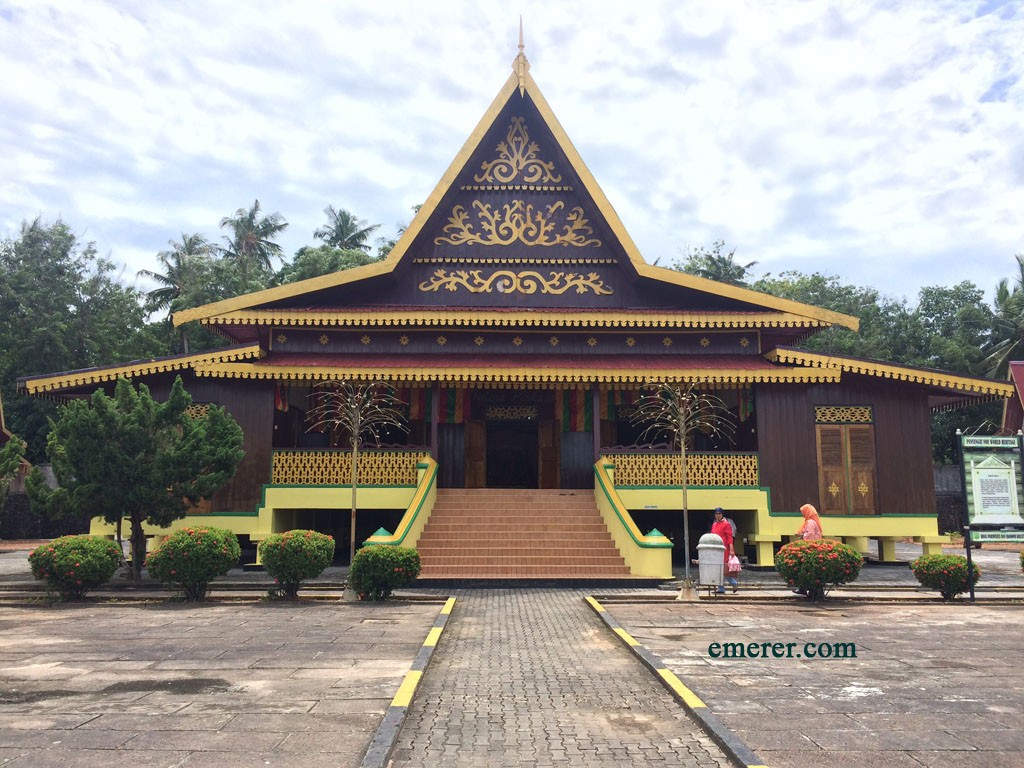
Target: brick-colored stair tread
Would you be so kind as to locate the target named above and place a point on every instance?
(498, 533)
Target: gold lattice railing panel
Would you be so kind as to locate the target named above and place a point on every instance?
(335, 467)
(662, 469)
(843, 414)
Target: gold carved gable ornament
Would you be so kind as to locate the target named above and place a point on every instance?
(517, 160)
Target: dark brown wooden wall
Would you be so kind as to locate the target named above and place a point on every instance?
(787, 448)
(251, 404)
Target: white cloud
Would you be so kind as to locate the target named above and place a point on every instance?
(877, 141)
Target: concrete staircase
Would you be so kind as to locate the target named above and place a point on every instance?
(486, 533)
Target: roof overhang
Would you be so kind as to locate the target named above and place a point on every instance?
(526, 370)
(54, 383)
(964, 385)
(437, 318)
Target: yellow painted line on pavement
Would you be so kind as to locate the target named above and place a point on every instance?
(595, 605)
(433, 636)
(407, 688)
(691, 698)
(625, 636)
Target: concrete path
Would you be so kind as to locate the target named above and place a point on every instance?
(222, 684)
(937, 685)
(532, 677)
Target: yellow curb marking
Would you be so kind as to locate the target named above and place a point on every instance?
(433, 636)
(448, 605)
(595, 605)
(407, 688)
(625, 636)
(684, 693)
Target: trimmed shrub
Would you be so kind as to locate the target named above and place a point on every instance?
(377, 570)
(1022, 561)
(814, 567)
(945, 573)
(192, 557)
(72, 565)
(295, 556)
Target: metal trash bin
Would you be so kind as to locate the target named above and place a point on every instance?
(711, 560)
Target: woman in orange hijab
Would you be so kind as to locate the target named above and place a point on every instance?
(811, 529)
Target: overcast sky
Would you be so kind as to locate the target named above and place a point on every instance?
(879, 141)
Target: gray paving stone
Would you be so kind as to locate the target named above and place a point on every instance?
(536, 673)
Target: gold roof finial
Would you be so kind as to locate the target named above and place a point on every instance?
(520, 65)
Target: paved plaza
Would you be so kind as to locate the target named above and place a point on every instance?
(520, 676)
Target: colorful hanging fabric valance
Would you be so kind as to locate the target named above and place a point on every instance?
(454, 407)
(281, 397)
(575, 409)
(746, 403)
(612, 399)
(418, 401)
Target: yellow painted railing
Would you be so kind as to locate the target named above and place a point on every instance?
(645, 554)
(702, 469)
(407, 533)
(323, 467)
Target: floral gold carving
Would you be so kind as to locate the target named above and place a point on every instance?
(517, 155)
(507, 281)
(518, 221)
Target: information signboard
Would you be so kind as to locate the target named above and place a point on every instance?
(993, 485)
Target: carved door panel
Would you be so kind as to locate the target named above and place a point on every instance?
(547, 455)
(476, 454)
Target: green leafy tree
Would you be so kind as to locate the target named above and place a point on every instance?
(345, 231)
(322, 260)
(186, 269)
(1007, 342)
(130, 456)
(364, 411)
(675, 411)
(251, 239)
(61, 308)
(386, 244)
(12, 455)
(715, 265)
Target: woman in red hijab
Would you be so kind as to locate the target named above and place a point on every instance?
(811, 528)
(723, 530)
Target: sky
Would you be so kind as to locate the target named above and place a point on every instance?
(879, 141)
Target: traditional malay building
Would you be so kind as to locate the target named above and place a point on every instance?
(519, 322)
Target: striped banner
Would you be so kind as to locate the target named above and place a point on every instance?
(746, 403)
(281, 397)
(575, 409)
(612, 399)
(418, 402)
(454, 406)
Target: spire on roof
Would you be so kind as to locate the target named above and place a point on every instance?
(520, 65)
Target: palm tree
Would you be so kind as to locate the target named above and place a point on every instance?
(251, 242)
(717, 266)
(1008, 328)
(344, 230)
(182, 270)
(178, 271)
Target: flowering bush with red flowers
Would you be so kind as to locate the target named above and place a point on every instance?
(295, 556)
(72, 565)
(192, 557)
(945, 573)
(377, 570)
(814, 567)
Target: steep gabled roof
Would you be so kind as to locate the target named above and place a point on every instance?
(517, 189)
(959, 386)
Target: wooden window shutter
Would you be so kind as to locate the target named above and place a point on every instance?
(832, 478)
(863, 494)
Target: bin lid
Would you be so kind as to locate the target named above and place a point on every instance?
(711, 540)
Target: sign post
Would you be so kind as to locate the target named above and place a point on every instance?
(990, 469)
